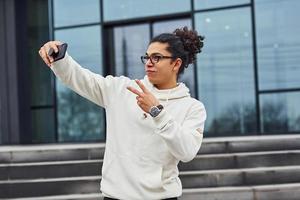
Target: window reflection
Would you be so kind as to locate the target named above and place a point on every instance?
(280, 112)
(70, 12)
(79, 119)
(130, 42)
(225, 71)
(206, 4)
(278, 36)
(120, 9)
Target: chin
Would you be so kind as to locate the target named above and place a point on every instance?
(152, 80)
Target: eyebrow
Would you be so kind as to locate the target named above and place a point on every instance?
(153, 53)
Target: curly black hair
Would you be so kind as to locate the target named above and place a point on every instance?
(182, 43)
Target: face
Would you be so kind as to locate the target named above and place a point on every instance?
(162, 71)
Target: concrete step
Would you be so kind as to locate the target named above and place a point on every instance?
(240, 177)
(242, 160)
(54, 169)
(92, 196)
(261, 192)
(190, 179)
(250, 144)
(53, 152)
(63, 152)
(48, 187)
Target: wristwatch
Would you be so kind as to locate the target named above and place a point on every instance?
(155, 110)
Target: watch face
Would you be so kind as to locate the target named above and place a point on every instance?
(154, 111)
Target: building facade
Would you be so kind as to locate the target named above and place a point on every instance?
(247, 75)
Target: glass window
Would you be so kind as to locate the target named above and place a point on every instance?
(120, 9)
(168, 27)
(43, 126)
(39, 74)
(130, 43)
(225, 71)
(280, 113)
(79, 119)
(41, 83)
(86, 51)
(70, 12)
(278, 47)
(207, 4)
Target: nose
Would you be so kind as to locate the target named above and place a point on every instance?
(149, 63)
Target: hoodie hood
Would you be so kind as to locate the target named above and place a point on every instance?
(175, 93)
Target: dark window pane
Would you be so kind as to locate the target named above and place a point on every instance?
(206, 4)
(79, 119)
(130, 43)
(168, 27)
(120, 9)
(225, 71)
(70, 12)
(280, 113)
(278, 41)
(41, 89)
(43, 127)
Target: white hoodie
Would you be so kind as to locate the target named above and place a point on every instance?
(142, 153)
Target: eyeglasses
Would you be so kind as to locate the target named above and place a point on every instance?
(153, 58)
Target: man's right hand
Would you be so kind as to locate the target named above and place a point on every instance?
(45, 49)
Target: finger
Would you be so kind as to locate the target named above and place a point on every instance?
(138, 98)
(54, 45)
(47, 48)
(44, 56)
(141, 85)
(133, 90)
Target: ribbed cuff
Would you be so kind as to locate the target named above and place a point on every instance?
(162, 119)
(58, 66)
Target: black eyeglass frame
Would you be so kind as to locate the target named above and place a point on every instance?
(145, 58)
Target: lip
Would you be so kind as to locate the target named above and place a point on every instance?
(150, 73)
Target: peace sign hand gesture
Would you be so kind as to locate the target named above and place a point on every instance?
(145, 99)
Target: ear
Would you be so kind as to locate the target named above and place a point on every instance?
(177, 64)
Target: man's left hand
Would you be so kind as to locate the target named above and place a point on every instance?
(145, 99)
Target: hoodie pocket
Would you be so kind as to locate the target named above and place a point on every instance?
(151, 176)
(134, 174)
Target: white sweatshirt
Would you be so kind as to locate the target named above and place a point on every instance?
(141, 153)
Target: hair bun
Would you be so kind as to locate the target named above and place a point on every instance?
(192, 42)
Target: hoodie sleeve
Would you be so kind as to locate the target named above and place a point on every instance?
(183, 140)
(91, 86)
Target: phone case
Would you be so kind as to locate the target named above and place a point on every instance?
(61, 52)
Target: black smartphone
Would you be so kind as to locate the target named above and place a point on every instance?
(61, 52)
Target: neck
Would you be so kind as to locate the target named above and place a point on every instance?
(166, 86)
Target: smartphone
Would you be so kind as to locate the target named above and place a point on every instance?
(61, 52)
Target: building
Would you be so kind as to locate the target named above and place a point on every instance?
(247, 75)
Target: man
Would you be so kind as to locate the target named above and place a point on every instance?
(152, 124)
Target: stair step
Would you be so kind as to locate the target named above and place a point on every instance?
(250, 144)
(33, 170)
(262, 192)
(57, 152)
(46, 187)
(54, 169)
(92, 196)
(60, 152)
(239, 177)
(242, 160)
